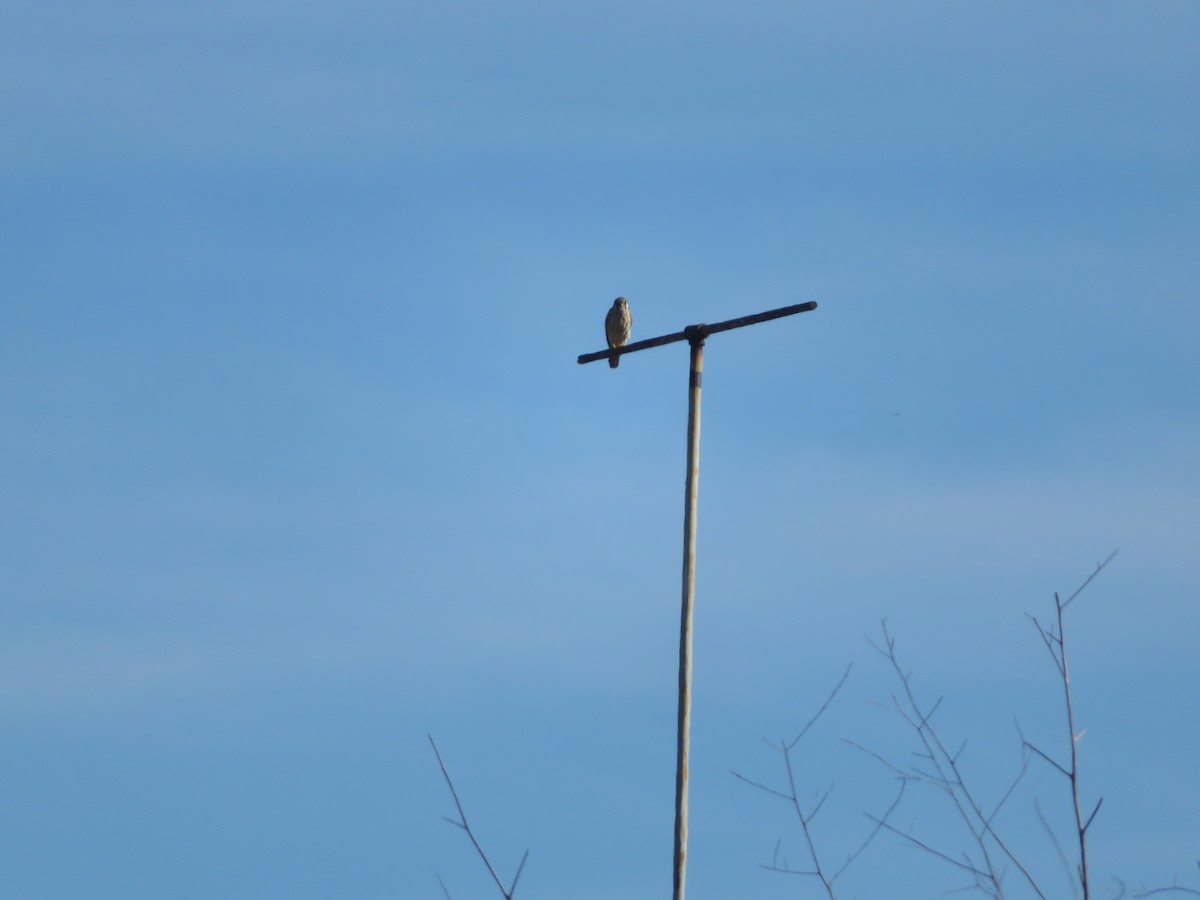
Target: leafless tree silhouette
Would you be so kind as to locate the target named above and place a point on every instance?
(989, 857)
(819, 871)
(938, 767)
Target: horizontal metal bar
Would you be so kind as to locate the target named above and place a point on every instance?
(630, 348)
(699, 332)
(761, 317)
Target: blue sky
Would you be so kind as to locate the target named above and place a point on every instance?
(298, 464)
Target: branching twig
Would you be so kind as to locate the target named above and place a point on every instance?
(1099, 568)
(880, 823)
(1055, 640)
(805, 818)
(1169, 890)
(1031, 746)
(1174, 888)
(947, 776)
(1062, 857)
(917, 842)
(465, 826)
(1013, 786)
(824, 706)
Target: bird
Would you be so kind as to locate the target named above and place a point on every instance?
(617, 325)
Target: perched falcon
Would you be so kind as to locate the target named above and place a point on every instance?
(617, 325)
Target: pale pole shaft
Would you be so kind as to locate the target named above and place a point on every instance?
(685, 626)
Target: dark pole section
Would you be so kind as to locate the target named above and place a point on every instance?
(695, 336)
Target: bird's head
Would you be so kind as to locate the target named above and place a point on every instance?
(620, 301)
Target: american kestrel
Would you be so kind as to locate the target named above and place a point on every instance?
(617, 325)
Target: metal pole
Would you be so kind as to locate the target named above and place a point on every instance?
(696, 339)
(694, 335)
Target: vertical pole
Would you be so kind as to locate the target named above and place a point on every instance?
(685, 628)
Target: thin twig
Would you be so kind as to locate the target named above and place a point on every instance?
(761, 787)
(784, 870)
(1168, 890)
(949, 778)
(870, 837)
(791, 795)
(1174, 888)
(465, 826)
(824, 706)
(1036, 750)
(881, 759)
(967, 866)
(1011, 788)
(1081, 828)
(1062, 857)
(520, 869)
(1055, 639)
(1088, 580)
(808, 838)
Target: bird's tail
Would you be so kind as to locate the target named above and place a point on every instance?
(613, 360)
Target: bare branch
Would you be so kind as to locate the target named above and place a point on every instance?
(465, 826)
(948, 776)
(881, 759)
(1073, 772)
(870, 837)
(1088, 580)
(824, 706)
(762, 787)
(959, 752)
(1169, 890)
(1049, 639)
(783, 871)
(808, 838)
(816, 809)
(967, 866)
(1062, 857)
(1012, 787)
(785, 749)
(1035, 749)
(925, 718)
(517, 877)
